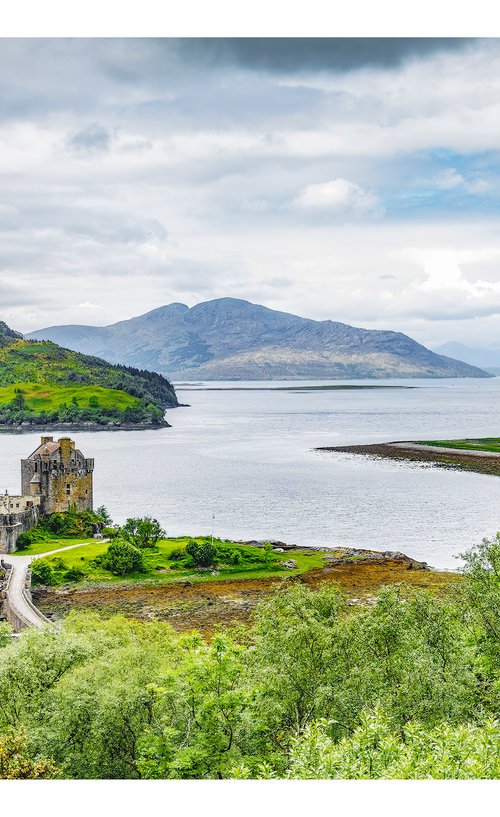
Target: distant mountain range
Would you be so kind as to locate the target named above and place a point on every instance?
(485, 358)
(233, 339)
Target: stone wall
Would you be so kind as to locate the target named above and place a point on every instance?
(13, 524)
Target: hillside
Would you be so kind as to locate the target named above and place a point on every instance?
(485, 358)
(233, 339)
(42, 384)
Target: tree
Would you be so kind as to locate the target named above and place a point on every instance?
(143, 533)
(121, 558)
(102, 511)
(203, 554)
(16, 763)
(481, 593)
(375, 750)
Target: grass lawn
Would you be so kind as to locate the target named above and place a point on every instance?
(483, 444)
(48, 397)
(53, 543)
(161, 569)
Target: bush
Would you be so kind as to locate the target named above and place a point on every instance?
(42, 572)
(24, 540)
(203, 554)
(74, 574)
(121, 558)
(177, 554)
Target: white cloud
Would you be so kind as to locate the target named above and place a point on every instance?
(337, 196)
(450, 179)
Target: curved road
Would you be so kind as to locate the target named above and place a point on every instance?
(15, 589)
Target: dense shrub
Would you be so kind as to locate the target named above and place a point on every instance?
(42, 572)
(203, 554)
(74, 574)
(121, 558)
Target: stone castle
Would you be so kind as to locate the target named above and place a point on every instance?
(55, 477)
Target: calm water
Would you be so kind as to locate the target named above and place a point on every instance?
(247, 457)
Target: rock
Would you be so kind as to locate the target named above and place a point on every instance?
(278, 550)
(290, 564)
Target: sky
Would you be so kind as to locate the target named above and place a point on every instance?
(352, 180)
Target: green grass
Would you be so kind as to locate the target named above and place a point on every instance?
(158, 560)
(48, 396)
(483, 444)
(47, 379)
(52, 543)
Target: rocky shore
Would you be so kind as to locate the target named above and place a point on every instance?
(34, 428)
(205, 606)
(459, 459)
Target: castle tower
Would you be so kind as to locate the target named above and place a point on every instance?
(60, 475)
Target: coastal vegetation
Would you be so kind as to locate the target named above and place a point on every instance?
(43, 384)
(484, 444)
(406, 686)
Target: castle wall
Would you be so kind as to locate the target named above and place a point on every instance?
(13, 524)
(68, 488)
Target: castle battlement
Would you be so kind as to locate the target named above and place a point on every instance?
(55, 477)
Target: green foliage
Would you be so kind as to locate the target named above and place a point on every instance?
(376, 751)
(121, 558)
(143, 533)
(68, 524)
(24, 540)
(42, 572)
(16, 762)
(203, 554)
(102, 513)
(42, 383)
(404, 687)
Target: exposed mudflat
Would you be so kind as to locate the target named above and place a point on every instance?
(482, 463)
(209, 605)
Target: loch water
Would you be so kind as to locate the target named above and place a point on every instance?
(241, 458)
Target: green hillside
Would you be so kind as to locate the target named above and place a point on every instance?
(42, 384)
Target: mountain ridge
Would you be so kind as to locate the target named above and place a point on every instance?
(229, 338)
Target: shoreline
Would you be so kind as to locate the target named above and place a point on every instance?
(33, 428)
(480, 462)
(208, 604)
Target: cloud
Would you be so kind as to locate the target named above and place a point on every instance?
(337, 196)
(140, 172)
(286, 54)
(451, 179)
(90, 140)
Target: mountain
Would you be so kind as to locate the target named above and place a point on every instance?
(42, 384)
(233, 339)
(475, 355)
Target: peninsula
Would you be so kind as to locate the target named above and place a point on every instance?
(479, 455)
(46, 387)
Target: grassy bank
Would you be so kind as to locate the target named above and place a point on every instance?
(491, 444)
(161, 568)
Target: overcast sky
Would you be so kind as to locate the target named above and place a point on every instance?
(356, 180)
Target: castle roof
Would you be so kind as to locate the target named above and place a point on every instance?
(49, 446)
